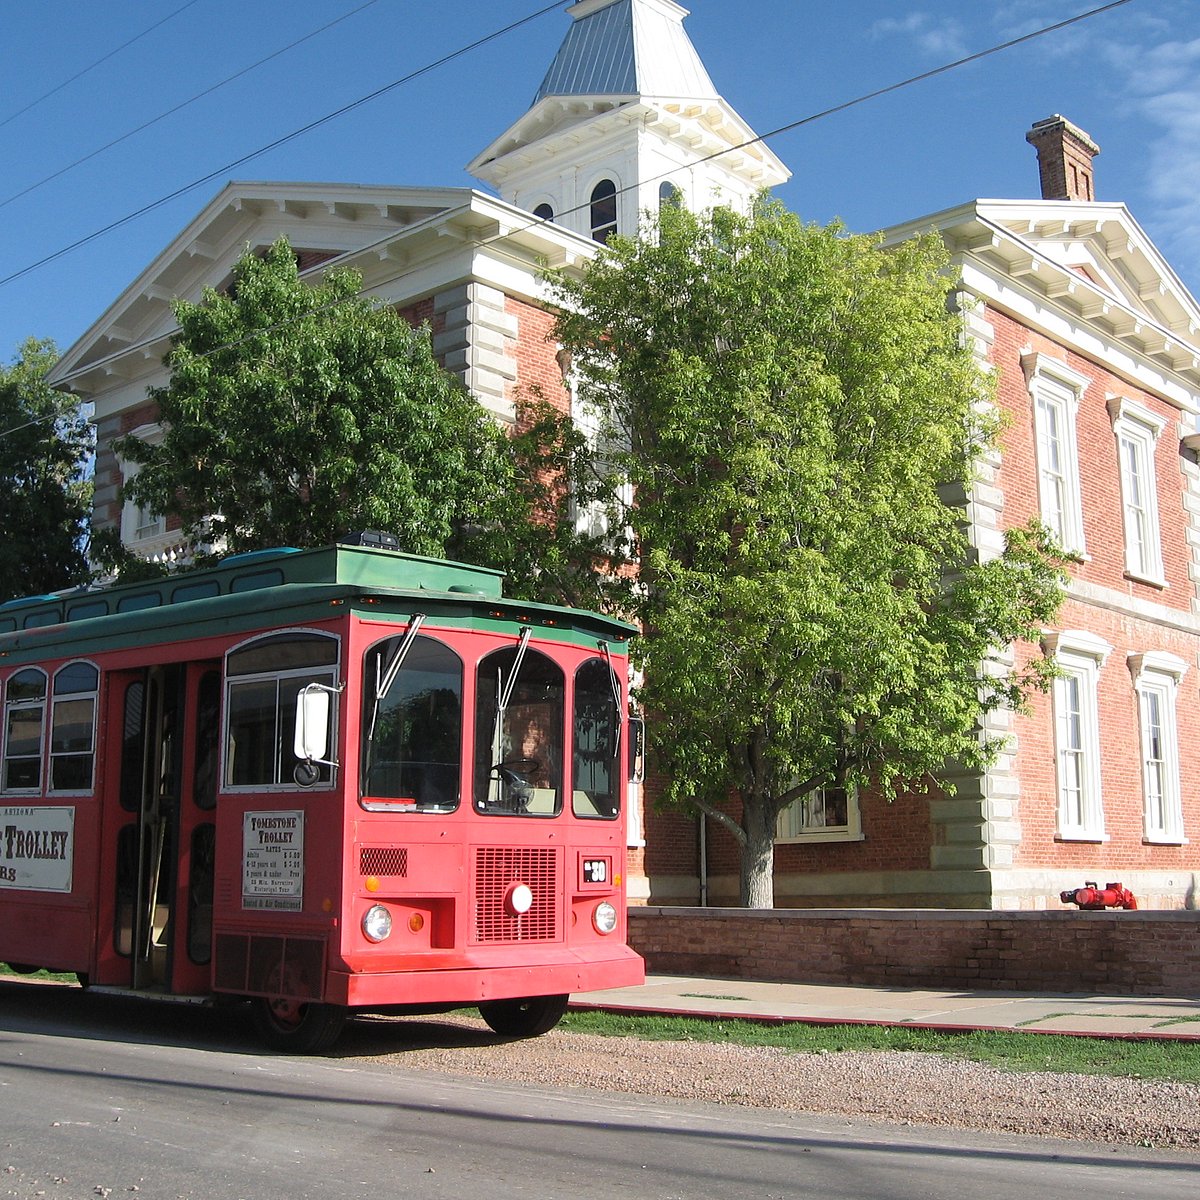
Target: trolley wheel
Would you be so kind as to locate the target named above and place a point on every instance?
(529, 1017)
(295, 1028)
(23, 968)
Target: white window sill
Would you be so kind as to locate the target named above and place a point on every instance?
(1164, 839)
(1154, 581)
(1081, 835)
(833, 835)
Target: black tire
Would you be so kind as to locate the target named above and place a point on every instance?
(528, 1017)
(23, 969)
(297, 1028)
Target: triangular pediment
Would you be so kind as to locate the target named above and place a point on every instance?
(322, 222)
(1104, 246)
(1085, 270)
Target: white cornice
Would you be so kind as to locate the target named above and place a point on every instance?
(217, 236)
(1007, 269)
(399, 267)
(557, 125)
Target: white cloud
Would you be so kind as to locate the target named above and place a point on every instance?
(1162, 84)
(936, 37)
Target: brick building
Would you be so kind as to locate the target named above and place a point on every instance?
(1094, 346)
(1096, 350)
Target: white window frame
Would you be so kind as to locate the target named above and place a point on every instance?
(329, 676)
(59, 700)
(1079, 656)
(792, 827)
(1137, 430)
(1057, 389)
(140, 528)
(1156, 678)
(592, 519)
(11, 706)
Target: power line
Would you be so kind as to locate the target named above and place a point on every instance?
(58, 87)
(280, 141)
(846, 104)
(170, 112)
(535, 222)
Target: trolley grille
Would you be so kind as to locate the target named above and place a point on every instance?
(497, 868)
(383, 860)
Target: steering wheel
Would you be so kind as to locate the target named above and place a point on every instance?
(518, 792)
(516, 767)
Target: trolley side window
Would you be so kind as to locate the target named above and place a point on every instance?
(412, 726)
(519, 734)
(24, 725)
(264, 679)
(73, 727)
(597, 742)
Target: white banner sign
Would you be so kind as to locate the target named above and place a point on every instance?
(273, 861)
(37, 848)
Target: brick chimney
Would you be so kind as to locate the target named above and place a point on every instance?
(1065, 156)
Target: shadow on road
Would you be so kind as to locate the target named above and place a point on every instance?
(66, 1010)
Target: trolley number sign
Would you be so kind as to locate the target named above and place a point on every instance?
(37, 848)
(273, 861)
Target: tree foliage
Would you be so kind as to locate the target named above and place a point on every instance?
(295, 413)
(798, 405)
(45, 445)
(561, 537)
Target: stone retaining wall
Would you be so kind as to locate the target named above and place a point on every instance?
(1151, 953)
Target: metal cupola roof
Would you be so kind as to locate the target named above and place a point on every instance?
(627, 48)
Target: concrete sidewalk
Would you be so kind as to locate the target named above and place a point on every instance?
(1168, 1018)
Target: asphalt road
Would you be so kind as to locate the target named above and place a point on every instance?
(102, 1097)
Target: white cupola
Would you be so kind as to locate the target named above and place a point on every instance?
(626, 119)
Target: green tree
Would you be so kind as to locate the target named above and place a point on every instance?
(45, 446)
(798, 407)
(295, 413)
(560, 535)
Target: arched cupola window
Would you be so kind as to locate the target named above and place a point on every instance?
(544, 211)
(669, 196)
(604, 210)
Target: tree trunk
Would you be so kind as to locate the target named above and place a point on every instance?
(758, 855)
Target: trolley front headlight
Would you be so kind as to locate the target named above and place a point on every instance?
(377, 923)
(604, 917)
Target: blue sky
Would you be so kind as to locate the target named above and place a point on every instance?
(1130, 77)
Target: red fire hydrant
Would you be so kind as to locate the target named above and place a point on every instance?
(1113, 895)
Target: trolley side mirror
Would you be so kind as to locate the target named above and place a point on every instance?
(637, 750)
(311, 743)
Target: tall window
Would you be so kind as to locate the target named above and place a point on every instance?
(265, 678)
(24, 723)
(1137, 430)
(1156, 678)
(595, 510)
(1055, 390)
(604, 210)
(139, 524)
(1079, 656)
(73, 727)
(412, 725)
(595, 776)
(519, 701)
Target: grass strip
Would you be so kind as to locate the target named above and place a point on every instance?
(1142, 1059)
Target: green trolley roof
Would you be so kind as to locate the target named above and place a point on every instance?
(282, 586)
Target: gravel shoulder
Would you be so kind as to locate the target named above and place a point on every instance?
(905, 1087)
